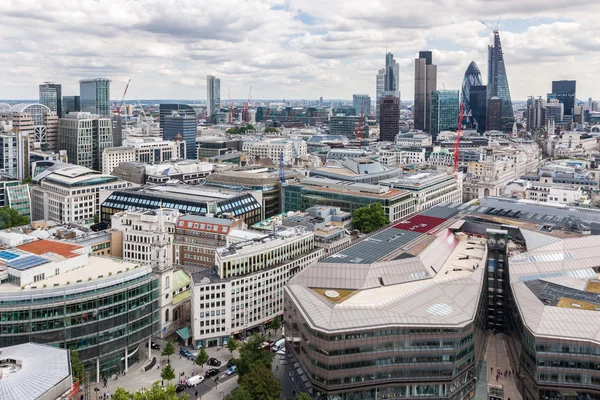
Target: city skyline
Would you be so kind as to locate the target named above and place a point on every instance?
(308, 52)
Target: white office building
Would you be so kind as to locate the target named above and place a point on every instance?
(113, 156)
(272, 149)
(151, 150)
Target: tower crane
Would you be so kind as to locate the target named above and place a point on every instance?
(245, 115)
(457, 141)
(123, 98)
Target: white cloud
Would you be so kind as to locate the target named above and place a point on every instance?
(288, 48)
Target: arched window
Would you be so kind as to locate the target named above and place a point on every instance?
(167, 315)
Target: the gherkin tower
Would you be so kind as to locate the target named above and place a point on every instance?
(498, 82)
(472, 78)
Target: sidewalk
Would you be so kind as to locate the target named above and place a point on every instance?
(497, 357)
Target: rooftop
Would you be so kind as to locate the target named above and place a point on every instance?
(44, 247)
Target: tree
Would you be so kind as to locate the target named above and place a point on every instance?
(202, 357)
(261, 383)
(76, 366)
(275, 324)
(303, 396)
(10, 217)
(240, 393)
(169, 350)
(168, 373)
(27, 180)
(156, 392)
(252, 355)
(96, 218)
(232, 345)
(369, 218)
(270, 129)
(250, 127)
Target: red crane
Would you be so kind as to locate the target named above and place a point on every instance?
(245, 115)
(457, 141)
(359, 129)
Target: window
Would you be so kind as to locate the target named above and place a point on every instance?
(167, 282)
(167, 315)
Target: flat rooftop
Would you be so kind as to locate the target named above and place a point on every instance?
(42, 247)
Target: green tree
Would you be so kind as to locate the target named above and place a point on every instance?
(169, 350)
(303, 396)
(250, 127)
(156, 392)
(369, 218)
(240, 393)
(76, 366)
(27, 180)
(270, 129)
(275, 324)
(9, 217)
(202, 357)
(96, 218)
(168, 373)
(261, 383)
(252, 355)
(232, 345)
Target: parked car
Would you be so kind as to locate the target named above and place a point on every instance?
(154, 346)
(211, 372)
(179, 388)
(213, 362)
(185, 352)
(231, 370)
(230, 363)
(195, 380)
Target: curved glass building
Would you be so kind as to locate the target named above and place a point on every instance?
(472, 78)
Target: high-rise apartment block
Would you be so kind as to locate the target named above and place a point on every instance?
(71, 104)
(565, 93)
(498, 84)
(213, 95)
(84, 136)
(444, 111)
(425, 83)
(389, 125)
(181, 126)
(51, 96)
(94, 96)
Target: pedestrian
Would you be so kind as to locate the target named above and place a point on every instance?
(277, 368)
(196, 394)
(491, 369)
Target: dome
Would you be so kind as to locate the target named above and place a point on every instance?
(472, 78)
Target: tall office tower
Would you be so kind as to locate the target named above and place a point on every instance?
(564, 92)
(498, 83)
(444, 111)
(472, 78)
(94, 96)
(85, 136)
(389, 127)
(357, 102)
(182, 126)
(14, 155)
(425, 83)
(51, 96)
(494, 114)
(379, 89)
(392, 74)
(173, 109)
(321, 101)
(70, 104)
(478, 104)
(213, 95)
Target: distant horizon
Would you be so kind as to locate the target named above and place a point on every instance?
(222, 102)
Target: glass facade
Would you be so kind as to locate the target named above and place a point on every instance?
(498, 82)
(565, 93)
(70, 104)
(97, 320)
(95, 96)
(444, 111)
(184, 127)
(51, 96)
(18, 198)
(472, 78)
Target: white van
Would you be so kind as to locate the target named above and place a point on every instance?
(195, 380)
(280, 344)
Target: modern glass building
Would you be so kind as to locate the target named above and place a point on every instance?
(51, 97)
(444, 111)
(71, 104)
(498, 82)
(181, 126)
(95, 96)
(358, 100)
(478, 106)
(472, 78)
(213, 95)
(173, 109)
(565, 93)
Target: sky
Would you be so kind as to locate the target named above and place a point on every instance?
(289, 49)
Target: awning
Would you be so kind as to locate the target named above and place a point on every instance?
(184, 333)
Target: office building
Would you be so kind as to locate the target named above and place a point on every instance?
(444, 111)
(70, 104)
(67, 193)
(389, 125)
(347, 125)
(85, 136)
(565, 92)
(273, 149)
(55, 293)
(34, 120)
(113, 156)
(187, 199)
(243, 290)
(173, 109)
(498, 85)
(51, 97)
(362, 102)
(472, 78)
(153, 150)
(213, 95)
(94, 96)
(392, 75)
(182, 126)
(14, 155)
(348, 196)
(357, 170)
(478, 107)
(379, 89)
(425, 83)
(494, 114)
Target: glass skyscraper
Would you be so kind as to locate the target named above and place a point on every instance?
(564, 92)
(71, 104)
(472, 78)
(357, 102)
(444, 111)
(213, 95)
(425, 83)
(94, 96)
(51, 96)
(498, 82)
(181, 126)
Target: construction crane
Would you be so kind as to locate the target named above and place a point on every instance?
(143, 111)
(123, 98)
(245, 115)
(359, 129)
(457, 141)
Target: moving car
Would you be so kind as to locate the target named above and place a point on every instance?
(231, 370)
(195, 380)
(229, 363)
(185, 353)
(154, 346)
(211, 372)
(278, 345)
(213, 362)
(179, 388)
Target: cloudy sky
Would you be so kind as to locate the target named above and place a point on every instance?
(289, 49)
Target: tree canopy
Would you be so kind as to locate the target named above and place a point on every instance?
(369, 218)
(275, 324)
(9, 217)
(252, 354)
(202, 357)
(169, 350)
(168, 373)
(303, 396)
(261, 383)
(156, 392)
(232, 345)
(240, 393)
(270, 129)
(238, 130)
(76, 366)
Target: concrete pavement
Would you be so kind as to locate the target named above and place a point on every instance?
(496, 356)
